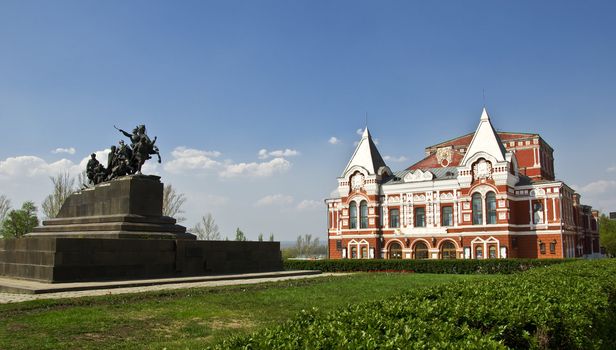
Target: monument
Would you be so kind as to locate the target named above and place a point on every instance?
(114, 229)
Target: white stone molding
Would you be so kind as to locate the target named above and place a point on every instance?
(418, 175)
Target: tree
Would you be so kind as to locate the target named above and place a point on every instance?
(5, 206)
(207, 229)
(260, 237)
(82, 180)
(173, 202)
(607, 234)
(306, 245)
(63, 187)
(19, 222)
(239, 235)
(271, 238)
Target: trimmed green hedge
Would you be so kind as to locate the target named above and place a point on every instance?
(567, 306)
(459, 266)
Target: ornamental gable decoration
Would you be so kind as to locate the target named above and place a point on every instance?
(444, 156)
(357, 182)
(482, 170)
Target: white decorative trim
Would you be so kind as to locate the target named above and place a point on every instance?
(418, 175)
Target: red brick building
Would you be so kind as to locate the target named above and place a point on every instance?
(483, 195)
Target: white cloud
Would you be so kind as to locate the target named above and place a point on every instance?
(274, 199)
(611, 169)
(598, 187)
(254, 169)
(264, 153)
(600, 194)
(334, 140)
(359, 132)
(216, 200)
(32, 166)
(70, 150)
(308, 204)
(395, 159)
(191, 159)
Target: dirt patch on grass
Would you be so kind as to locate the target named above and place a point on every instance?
(232, 323)
(16, 327)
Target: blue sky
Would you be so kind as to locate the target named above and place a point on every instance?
(219, 81)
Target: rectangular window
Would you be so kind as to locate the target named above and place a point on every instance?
(542, 248)
(447, 216)
(394, 218)
(420, 217)
(553, 247)
(338, 245)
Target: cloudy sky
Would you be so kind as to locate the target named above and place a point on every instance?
(256, 104)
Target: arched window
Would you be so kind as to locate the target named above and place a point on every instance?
(395, 251)
(491, 208)
(353, 214)
(478, 252)
(363, 214)
(448, 250)
(492, 252)
(421, 251)
(420, 217)
(477, 210)
(354, 252)
(364, 252)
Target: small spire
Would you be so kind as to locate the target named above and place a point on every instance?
(484, 114)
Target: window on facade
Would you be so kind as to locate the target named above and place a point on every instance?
(353, 214)
(364, 252)
(448, 250)
(354, 252)
(477, 210)
(395, 251)
(421, 251)
(420, 217)
(492, 252)
(553, 247)
(363, 214)
(491, 208)
(394, 218)
(479, 252)
(447, 216)
(542, 248)
(537, 213)
(338, 245)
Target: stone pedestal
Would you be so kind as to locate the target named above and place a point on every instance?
(127, 207)
(116, 231)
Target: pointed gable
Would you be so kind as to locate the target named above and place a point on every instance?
(366, 155)
(486, 140)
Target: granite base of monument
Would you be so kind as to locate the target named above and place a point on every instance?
(116, 231)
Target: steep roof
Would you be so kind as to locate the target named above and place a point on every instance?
(431, 161)
(366, 155)
(486, 140)
(465, 140)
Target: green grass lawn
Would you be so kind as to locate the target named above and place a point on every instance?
(190, 318)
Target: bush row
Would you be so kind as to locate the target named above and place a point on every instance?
(467, 266)
(567, 306)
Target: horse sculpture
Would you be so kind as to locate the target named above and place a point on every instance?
(124, 160)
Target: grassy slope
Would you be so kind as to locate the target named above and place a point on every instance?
(190, 318)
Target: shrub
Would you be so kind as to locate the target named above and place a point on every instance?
(467, 266)
(567, 306)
